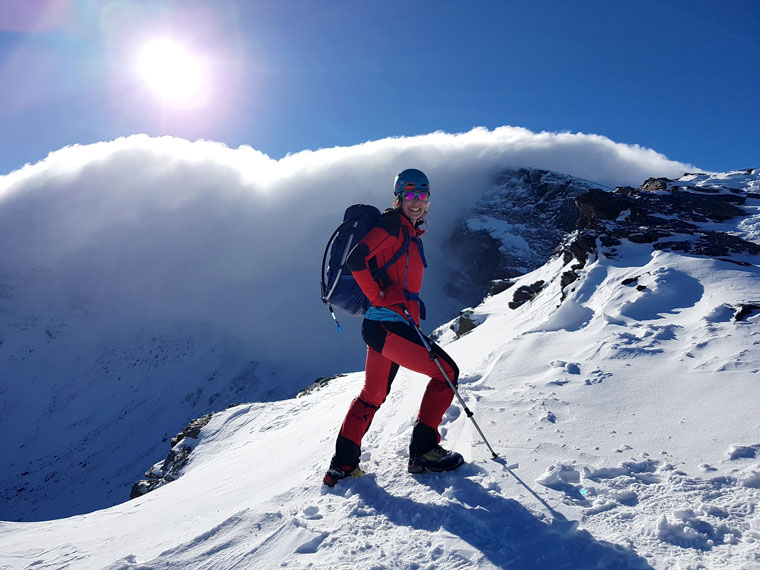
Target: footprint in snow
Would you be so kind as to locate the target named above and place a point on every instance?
(312, 545)
(569, 367)
(469, 379)
(743, 452)
(312, 513)
(451, 414)
(597, 377)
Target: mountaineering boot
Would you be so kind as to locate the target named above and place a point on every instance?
(437, 459)
(334, 475)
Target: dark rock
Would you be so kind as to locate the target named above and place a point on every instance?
(746, 310)
(719, 208)
(179, 454)
(317, 384)
(535, 206)
(567, 278)
(578, 248)
(142, 487)
(649, 215)
(192, 430)
(525, 293)
(601, 205)
(626, 190)
(711, 244)
(654, 184)
(498, 286)
(466, 322)
(646, 236)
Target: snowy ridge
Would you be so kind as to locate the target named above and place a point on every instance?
(628, 399)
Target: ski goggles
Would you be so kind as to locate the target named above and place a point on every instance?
(412, 195)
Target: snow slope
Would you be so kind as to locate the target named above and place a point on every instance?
(624, 413)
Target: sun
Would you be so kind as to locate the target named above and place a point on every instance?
(171, 71)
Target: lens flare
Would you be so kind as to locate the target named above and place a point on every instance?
(171, 71)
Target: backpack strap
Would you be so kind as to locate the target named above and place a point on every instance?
(402, 250)
(418, 241)
(415, 297)
(380, 274)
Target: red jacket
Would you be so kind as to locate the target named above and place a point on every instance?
(376, 249)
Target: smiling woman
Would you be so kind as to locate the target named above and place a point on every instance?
(172, 72)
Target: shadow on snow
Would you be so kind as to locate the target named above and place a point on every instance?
(505, 532)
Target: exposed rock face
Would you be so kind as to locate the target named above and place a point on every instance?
(520, 220)
(662, 212)
(681, 215)
(465, 322)
(746, 310)
(514, 229)
(170, 468)
(525, 293)
(316, 385)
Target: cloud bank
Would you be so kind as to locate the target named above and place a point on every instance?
(144, 229)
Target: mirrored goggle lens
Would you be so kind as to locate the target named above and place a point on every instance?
(422, 196)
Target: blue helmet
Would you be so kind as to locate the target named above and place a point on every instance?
(411, 179)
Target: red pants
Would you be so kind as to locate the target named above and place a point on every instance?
(390, 345)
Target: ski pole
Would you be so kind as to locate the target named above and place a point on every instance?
(434, 358)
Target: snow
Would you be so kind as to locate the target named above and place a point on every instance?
(625, 419)
(504, 230)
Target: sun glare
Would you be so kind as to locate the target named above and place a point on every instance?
(172, 72)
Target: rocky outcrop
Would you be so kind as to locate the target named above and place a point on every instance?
(466, 322)
(170, 468)
(689, 215)
(513, 229)
(746, 310)
(316, 385)
(499, 285)
(670, 214)
(525, 293)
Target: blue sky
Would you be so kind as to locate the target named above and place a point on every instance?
(680, 77)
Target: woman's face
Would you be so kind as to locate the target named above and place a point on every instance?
(415, 208)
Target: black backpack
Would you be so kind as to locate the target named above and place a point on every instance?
(339, 288)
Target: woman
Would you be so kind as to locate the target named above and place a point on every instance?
(391, 340)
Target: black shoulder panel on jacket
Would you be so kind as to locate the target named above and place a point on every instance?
(356, 260)
(390, 222)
